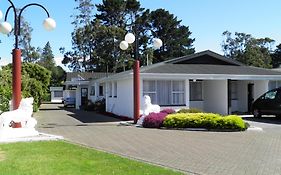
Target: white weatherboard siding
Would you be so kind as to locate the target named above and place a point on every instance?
(123, 104)
(215, 96)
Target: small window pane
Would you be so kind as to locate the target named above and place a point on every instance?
(58, 94)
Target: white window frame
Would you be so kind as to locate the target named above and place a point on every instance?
(177, 92)
(150, 92)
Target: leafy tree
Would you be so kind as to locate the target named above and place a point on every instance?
(276, 57)
(84, 15)
(247, 49)
(48, 62)
(95, 45)
(35, 83)
(5, 89)
(81, 37)
(175, 37)
(47, 57)
(58, 76)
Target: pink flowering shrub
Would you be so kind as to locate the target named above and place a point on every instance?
(168, 111)
(154, 120)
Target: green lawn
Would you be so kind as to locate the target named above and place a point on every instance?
(58, 157)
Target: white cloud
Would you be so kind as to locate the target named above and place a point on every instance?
(5, 61)
(58, 63)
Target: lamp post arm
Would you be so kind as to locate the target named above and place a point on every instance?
(32, 4)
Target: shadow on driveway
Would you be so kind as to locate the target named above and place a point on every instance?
(264, 119)
(89, 116)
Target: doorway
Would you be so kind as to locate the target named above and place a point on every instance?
(250, 96)
(84, 96)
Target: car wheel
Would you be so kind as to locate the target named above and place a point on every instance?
(257, 113)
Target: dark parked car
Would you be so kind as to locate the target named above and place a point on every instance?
(268, 104)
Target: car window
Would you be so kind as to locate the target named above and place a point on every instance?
(270, 95)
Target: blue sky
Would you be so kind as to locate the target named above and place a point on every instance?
(207, 19)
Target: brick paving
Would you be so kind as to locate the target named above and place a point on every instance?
(193, 152)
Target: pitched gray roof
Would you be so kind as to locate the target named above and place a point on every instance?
(200, 56)
(209, 69)
(203, 63)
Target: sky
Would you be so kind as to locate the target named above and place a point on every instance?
(207, 20)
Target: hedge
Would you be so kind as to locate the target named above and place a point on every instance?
(204, 120)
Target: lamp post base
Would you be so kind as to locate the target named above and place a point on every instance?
(16, 96)
(136, 90)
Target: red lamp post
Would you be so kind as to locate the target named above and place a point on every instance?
(6, 28)
(129, 39)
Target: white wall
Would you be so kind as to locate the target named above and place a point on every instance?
(123, 104)
(197, 104)
(260, 87)
(78, 97)
(215, 96)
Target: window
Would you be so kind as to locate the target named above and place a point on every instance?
(100, 90)
(234, 90)
(270, 95)
(149, 88)
(93, 91)
(165, 92)
(58, 94)
(178, 92)
(115, 89)
(110, 89)
(195, 91)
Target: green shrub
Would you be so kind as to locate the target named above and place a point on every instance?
(230, 122)
(204, 120)
(190, 110)
(35, 83)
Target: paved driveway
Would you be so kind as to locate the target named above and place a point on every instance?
(194, 152)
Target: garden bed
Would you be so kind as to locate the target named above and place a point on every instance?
(194, 120)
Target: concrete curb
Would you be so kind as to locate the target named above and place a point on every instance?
(254, 128)
(40, 137)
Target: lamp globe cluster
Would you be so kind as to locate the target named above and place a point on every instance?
(5, 27)
(130, 38)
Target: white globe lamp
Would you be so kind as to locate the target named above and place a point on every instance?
(5, 28)
(130, 38)
(157, 43)
(49, 24)
(124, 45)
